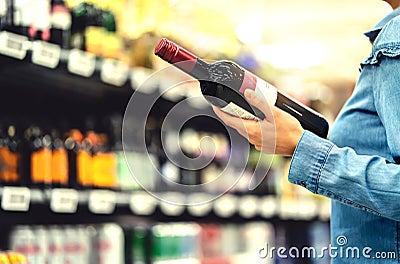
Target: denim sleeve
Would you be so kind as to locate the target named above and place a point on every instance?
(387, 100)
(365, 182)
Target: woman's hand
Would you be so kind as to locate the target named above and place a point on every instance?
(278, 133)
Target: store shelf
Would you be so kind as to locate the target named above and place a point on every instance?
(30, 84)
(59, 88)
(140, 203)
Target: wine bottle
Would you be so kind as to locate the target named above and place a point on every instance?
(224, 82)
(59, 161)
(73, 146)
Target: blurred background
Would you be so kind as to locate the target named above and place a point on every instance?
(68, 69)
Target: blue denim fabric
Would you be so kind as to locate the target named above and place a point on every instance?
(359, 166)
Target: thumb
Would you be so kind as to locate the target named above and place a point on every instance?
(259, 102)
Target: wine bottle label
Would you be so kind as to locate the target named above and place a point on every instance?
(236, 110)
(261, 87)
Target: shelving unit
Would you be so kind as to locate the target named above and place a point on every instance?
(141, 203)
(34, 88)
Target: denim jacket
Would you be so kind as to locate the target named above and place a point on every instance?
(359, 166)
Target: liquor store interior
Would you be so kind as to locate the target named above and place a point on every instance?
(110, 154)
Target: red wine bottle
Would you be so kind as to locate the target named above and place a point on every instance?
(224, 82)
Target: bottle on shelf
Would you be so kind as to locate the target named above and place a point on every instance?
(3, 153)
(72, 143)
(60, 23)
(104, 164)
(40, 156)
(224, 82)
(59, 161)
(12, 173)
(39, 26)
(9, 156)
(126, 180)
(84, 160)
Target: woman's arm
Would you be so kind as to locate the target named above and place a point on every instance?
(366, 182)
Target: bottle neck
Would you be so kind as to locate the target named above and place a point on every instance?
(181, 58)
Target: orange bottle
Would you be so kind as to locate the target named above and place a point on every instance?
(84, 160)
(41, 157)
(104, 164)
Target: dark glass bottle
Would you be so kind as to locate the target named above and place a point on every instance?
(224, 82)
(3, 154)
(72, 143)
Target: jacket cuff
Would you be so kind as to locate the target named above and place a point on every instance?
(308, 161)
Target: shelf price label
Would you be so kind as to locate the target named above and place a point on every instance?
(142, 203)
(114, 72)
(139, 77)
(102, 201)
(81, 63)
(268, 206)
(46, 54)
(199, 204)
(248, 206)
(172, 203)
(64, 200)
(308, 208)
(226, 205)
(289, 209)
(15, 199)
(13, 45)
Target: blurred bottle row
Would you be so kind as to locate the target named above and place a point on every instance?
(58, 23)
(43, 155)
(92, 26)
(59, 153)
(184, 242)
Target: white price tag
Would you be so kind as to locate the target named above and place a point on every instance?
(64, 200)
(16, 199)
(81, 63)
(45, 54)
(142, 203)
(288, 209)
(13, 45)
(171, 209)
(172, 203)
(114, 72)
(268, 206)
(199, 204)
(102, 201)
(225, 206)
(308, 208)
(140, 79)
(248, 206)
